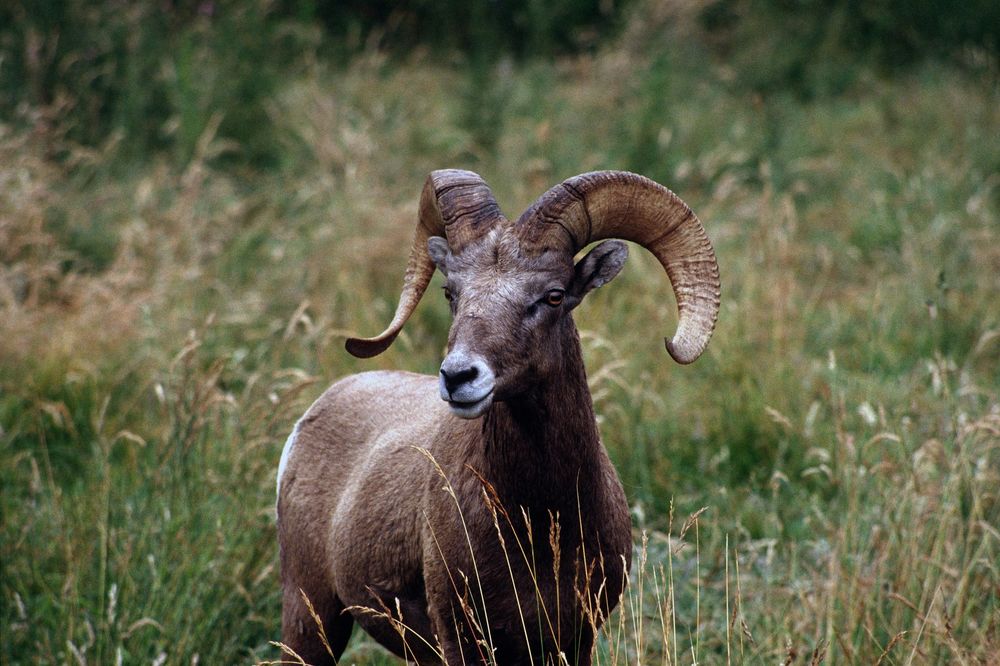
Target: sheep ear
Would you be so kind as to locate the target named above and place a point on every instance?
(437, 248)
(599, 267)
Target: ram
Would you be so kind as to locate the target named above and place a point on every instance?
(474, 517)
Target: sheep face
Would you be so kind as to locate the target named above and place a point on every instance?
(511, 314)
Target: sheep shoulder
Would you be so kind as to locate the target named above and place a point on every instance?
(352, 475)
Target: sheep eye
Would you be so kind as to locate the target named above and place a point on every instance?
(448, 295)
(554, 297)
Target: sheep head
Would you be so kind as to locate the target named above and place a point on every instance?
(511, 286)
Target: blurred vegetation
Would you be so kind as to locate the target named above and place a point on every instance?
(815, 47)
(153, 75)
(198, 201)
(149, 76)
(518, 27)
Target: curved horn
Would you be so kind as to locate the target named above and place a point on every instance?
(456, 204)
(619, 204)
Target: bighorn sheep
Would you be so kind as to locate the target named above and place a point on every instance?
(432, 523)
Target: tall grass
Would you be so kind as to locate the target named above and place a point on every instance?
(163, 326)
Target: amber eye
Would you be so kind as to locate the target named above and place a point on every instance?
(554, 297)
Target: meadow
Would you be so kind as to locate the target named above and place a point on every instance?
(822, 486)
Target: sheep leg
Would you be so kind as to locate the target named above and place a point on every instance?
(583, 652)
(456, 643)
(399, 622)
(300, 632)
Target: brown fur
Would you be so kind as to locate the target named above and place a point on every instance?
(366, 520)
(502, 536)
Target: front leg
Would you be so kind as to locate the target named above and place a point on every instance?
(458, 630)
(400, 623)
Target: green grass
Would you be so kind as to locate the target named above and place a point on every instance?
(165, 324)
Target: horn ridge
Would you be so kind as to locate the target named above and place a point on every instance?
(619, 204)
(454, 203)
(569, 187)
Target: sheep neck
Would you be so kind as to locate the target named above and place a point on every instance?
(539, 448)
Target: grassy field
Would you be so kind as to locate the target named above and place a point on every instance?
(822, 486)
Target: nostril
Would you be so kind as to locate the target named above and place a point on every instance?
(454, 379)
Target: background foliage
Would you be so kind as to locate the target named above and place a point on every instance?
(198, 200)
